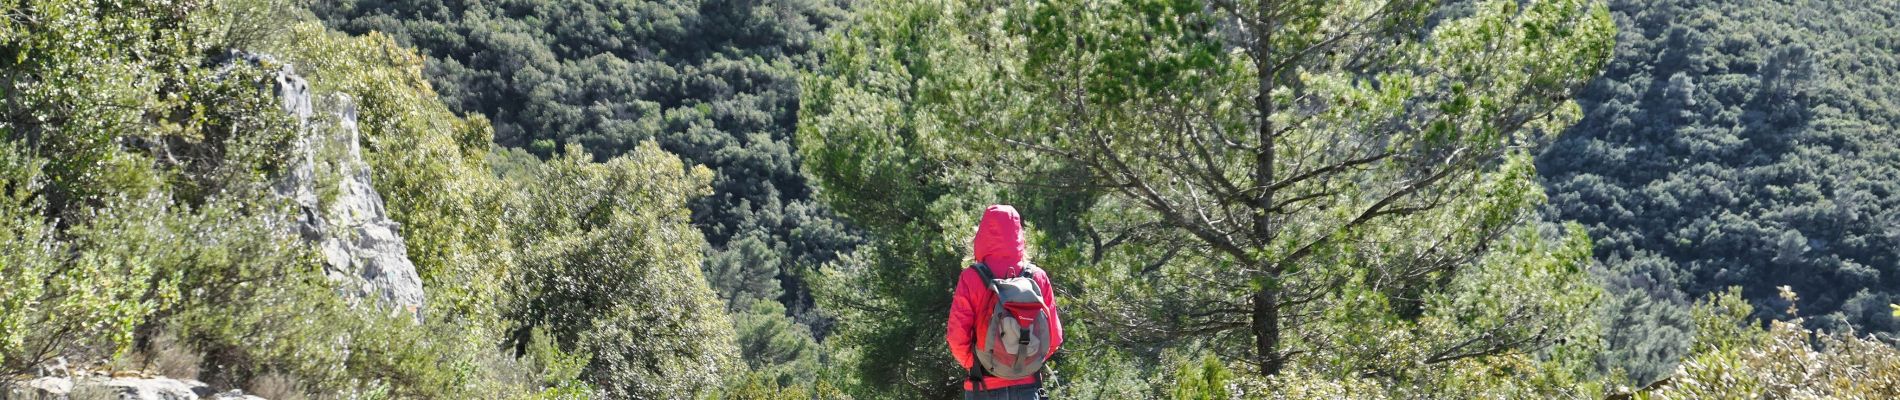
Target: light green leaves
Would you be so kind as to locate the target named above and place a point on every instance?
(1736, 357)
(611, 269)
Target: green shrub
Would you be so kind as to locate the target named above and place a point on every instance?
(135, 167)
(62, 299)
(1736, 358)
(611, 269)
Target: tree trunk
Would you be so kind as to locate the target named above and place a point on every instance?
(1266, 302)
(1266, 330)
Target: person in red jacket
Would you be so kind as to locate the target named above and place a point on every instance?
(999, 244)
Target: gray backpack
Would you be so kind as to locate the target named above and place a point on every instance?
(1017, 342)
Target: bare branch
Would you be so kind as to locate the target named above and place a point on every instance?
(1301, 177)
(1139, 189)
(1377, 207)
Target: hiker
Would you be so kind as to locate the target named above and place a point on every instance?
(1002, 343)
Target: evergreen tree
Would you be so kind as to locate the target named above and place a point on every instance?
(1327, 187)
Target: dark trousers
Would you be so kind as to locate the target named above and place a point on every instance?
(1029, 391)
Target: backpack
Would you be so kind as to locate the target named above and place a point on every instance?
(1017, 342)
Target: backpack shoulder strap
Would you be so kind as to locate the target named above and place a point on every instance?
(983, 271)
(976, 367)
(1031, 271)
(989, 278)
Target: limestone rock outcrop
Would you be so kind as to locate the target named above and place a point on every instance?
(340, 210)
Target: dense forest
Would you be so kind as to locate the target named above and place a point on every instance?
(761, 199)
(714, 82)
(1745, 144)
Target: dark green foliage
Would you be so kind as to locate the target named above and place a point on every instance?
(1744, 144)
(1648, 320)
(916, 197)
(746, 271)
(608, 74)
(775, 348)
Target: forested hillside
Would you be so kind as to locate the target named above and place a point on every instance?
(1747, 144)
(774, 199)
(711, 81)
(144, 230)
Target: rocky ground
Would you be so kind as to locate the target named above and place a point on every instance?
(121, 387)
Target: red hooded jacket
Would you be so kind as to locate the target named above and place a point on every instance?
(999, 244)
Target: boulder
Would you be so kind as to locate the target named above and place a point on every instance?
(234, 395)
(47, 388)
(158, 388)
(149, 389)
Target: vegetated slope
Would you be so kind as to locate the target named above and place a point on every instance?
(1745, 144)
(140, 146)
(712, 81)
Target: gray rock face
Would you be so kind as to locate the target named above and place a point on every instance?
(58, 388)
(234, 395)
(151, 389)
(40, 389)
(341, 211)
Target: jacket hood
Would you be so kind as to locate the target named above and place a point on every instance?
(999, 240)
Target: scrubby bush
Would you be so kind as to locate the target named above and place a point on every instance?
(1737, 358)
(611, 269)
(62, 298)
